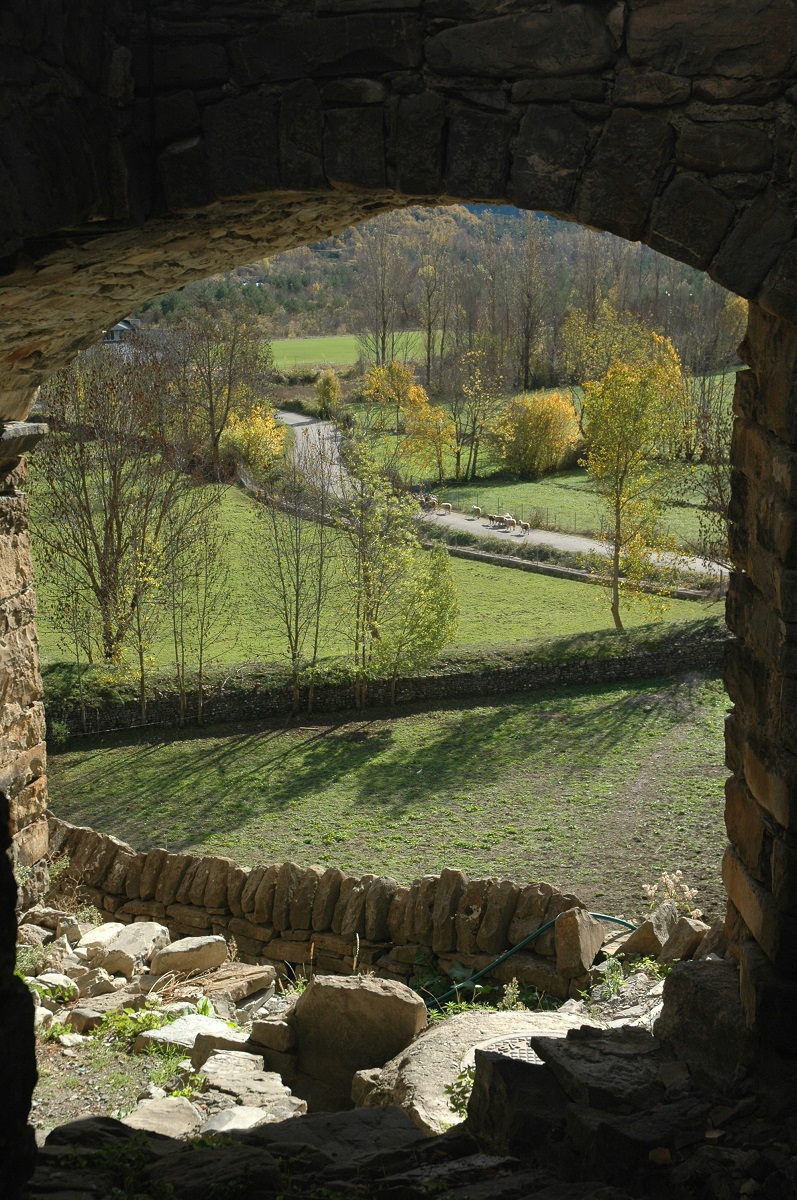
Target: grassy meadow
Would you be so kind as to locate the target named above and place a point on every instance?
(497, 605)
(597, 790)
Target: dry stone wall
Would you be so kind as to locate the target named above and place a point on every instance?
(702, 651)
(22, 728)
(294, 917)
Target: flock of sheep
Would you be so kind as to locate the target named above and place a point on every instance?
(496, 520)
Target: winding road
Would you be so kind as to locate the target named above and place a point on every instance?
(326, 432)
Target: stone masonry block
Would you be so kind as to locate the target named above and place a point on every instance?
(300, 913)
(696, 237)
(744, 822)
(774, 931)
(493, 935)
(326, 897)
(450, 888)
(623, 176)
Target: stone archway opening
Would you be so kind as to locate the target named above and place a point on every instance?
(144, 146)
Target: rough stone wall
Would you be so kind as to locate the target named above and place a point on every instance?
(292, 916)
(690, 653)
(760, 865)
(145, 144)
(22, 730)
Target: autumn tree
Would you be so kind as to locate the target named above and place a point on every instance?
(533, 433)
(393, 386)
(377, 532)
(221, 368)
(429, 435)
(628, 419)
(254, 440)
(329, 396)
(384, 274)
(197, 593)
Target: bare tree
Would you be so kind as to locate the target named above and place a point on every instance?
(384, 281)
(294, 553)
(104, 485)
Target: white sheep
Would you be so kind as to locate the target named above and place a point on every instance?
(476, 512)
(446, 508)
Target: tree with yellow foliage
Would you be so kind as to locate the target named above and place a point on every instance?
(393, 385)
(628, 416)
(429, 434)
(534, 432)
(255, 439)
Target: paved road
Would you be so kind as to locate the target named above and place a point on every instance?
(545, 537)
(575, 544)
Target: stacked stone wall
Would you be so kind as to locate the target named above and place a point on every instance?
(302, 917)
(22, 727)
(760, 864)
(700, 652)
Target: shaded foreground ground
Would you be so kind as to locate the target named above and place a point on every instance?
(596, 790)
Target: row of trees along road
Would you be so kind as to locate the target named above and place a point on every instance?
(131, 544)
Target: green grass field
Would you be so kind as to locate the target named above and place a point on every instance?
(596, 790)
(497, 605)
(340, 350)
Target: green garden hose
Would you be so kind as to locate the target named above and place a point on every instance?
(440, 1000)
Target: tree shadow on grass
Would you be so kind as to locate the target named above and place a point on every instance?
(201, 787)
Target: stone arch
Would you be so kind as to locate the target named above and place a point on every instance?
(144, 144)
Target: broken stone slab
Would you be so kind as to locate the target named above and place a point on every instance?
(242, 1076)
(702, 1021)
(275, 1034)
(578, 938)
(651, 935)
(416, 1079)
(128, 952)
(57, 985)
(213, 1171)
(189, 954)
(100, 935)
(42, 914)
(83, 1020)
(42, 1018)
(346, 1138)
(182, 1032)
(715, 941)
(96, 983)
(173, 1116)
(514, 1105)
(605, 1068)
(685, 938)
(206, 1043)
(33, 935)
(345, 1024)
(234, 1120)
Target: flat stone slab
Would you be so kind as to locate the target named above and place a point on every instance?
(235, 1120)
(190, 954)
(606, 1069)
(174, 1116)
(242, 1076)
(182, 1032)
(415, 1080)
